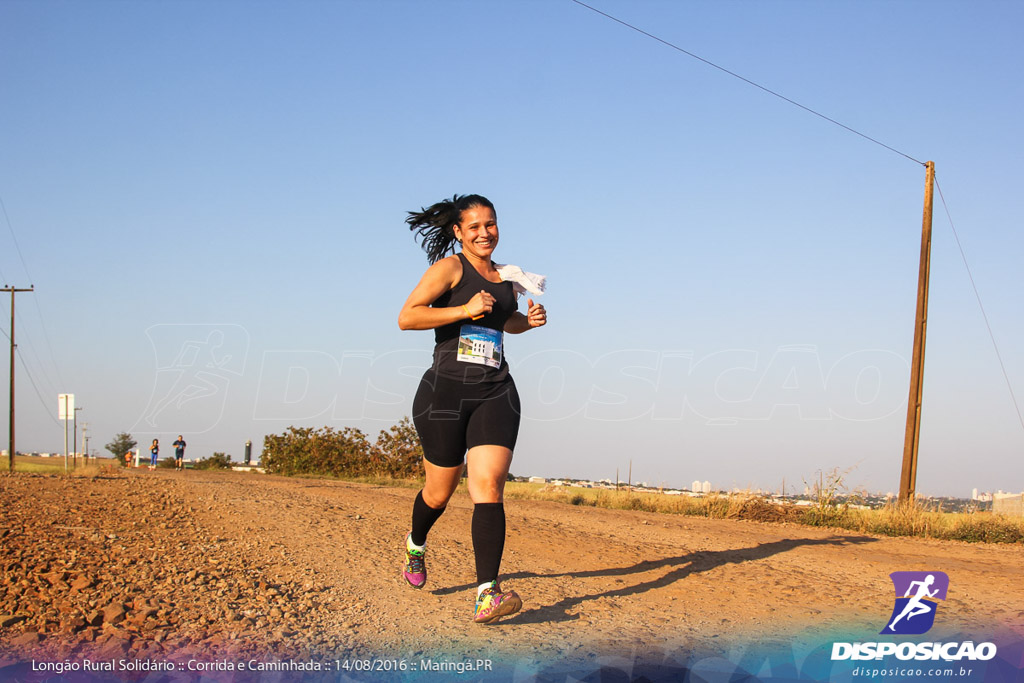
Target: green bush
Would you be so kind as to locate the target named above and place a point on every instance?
(398, 452)
(217, 461)
(344, 453)
(303, 450)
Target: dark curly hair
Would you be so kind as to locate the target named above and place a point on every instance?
(435, 224)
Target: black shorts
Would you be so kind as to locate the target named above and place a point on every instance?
(452, 417)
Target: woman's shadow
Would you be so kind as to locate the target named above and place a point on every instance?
(685, 565)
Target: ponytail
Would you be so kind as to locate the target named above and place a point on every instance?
(435, 224)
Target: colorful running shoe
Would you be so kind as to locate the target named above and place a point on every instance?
(415, 571)
(492, 604)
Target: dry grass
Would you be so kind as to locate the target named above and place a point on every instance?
(894, 520)
(917, 520)
(737, 506)
(28, 463)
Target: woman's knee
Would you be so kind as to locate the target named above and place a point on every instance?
(440, 484)
(437, 498)
(487, 489)
(487, 496)
(488, 470)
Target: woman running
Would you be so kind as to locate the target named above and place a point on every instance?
(466, 408)
(154, 453)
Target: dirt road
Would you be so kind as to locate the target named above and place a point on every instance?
(151, 565)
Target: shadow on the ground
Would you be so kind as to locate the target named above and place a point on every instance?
(683, 566)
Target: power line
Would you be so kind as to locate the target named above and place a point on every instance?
(17, 247)
(31, 345)
(977, 295)
(28, 343)
(747, 81)
(39, 309)
(31, 381)
(46, 338)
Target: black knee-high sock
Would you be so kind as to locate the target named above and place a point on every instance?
(488, 539)
(423, 517)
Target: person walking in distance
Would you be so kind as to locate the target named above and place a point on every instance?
(466, 409)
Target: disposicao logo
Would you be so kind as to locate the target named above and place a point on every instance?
(917, 601)
(917, 596)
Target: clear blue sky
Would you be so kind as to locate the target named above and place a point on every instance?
(209, 199)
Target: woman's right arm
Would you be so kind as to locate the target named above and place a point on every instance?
(417, 314)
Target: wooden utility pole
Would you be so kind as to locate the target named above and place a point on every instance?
(908, 477)
(10, 447)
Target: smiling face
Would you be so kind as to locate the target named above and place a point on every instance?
(478, 231)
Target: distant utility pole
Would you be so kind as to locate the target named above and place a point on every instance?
(908, 476)
(74, 440)
(10, 447)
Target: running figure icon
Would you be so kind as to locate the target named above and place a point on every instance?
(916, 606)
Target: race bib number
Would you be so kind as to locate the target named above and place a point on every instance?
(480, 345)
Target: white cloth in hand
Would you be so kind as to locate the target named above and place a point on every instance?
(522, 281)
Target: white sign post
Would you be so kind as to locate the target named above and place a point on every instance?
(65, 411)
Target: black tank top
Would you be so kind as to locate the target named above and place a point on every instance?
(473, 350)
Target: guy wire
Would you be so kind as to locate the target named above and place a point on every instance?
(748, 81)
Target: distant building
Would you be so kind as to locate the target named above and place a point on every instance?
(706, 487)
(1011, 504)
(695, 486)
(538, 480)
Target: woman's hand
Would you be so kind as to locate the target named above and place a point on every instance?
(481, 304)
(536, 316)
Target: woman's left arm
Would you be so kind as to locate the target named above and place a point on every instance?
(535, 316)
